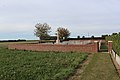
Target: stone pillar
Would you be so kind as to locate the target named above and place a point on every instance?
(109, 46)
(96, 46)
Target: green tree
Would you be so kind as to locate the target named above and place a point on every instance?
(42, 30)
(63, 33)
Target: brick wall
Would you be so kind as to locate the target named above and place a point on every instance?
(56, 47)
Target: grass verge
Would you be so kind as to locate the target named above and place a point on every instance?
(100, 68)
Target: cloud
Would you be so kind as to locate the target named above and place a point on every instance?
(80, 16)
(16, 28)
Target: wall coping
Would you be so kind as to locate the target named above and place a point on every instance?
(115, 61)
(95, 41)
(110, 41)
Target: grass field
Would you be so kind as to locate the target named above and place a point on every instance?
(27, 41)
(28, 65)
(4, 44)
(100, 68)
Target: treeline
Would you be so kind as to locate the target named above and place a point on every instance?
(19, 40)
(87, 38)
(115, 37)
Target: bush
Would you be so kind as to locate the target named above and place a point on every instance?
(116, 42)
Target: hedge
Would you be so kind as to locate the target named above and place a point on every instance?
(116, 42)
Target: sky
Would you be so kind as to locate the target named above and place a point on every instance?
(82, 17)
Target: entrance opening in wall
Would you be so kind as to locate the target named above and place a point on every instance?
(103, 47)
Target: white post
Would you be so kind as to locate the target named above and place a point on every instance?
(100, 44)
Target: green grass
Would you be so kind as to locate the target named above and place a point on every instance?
(29, 65)
(103, 47)
(5, 44)
(28, 41)
(100, 68)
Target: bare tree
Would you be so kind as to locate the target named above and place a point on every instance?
(42, 30)
(63, 33)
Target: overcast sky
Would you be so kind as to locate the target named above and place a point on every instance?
(82, 17)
